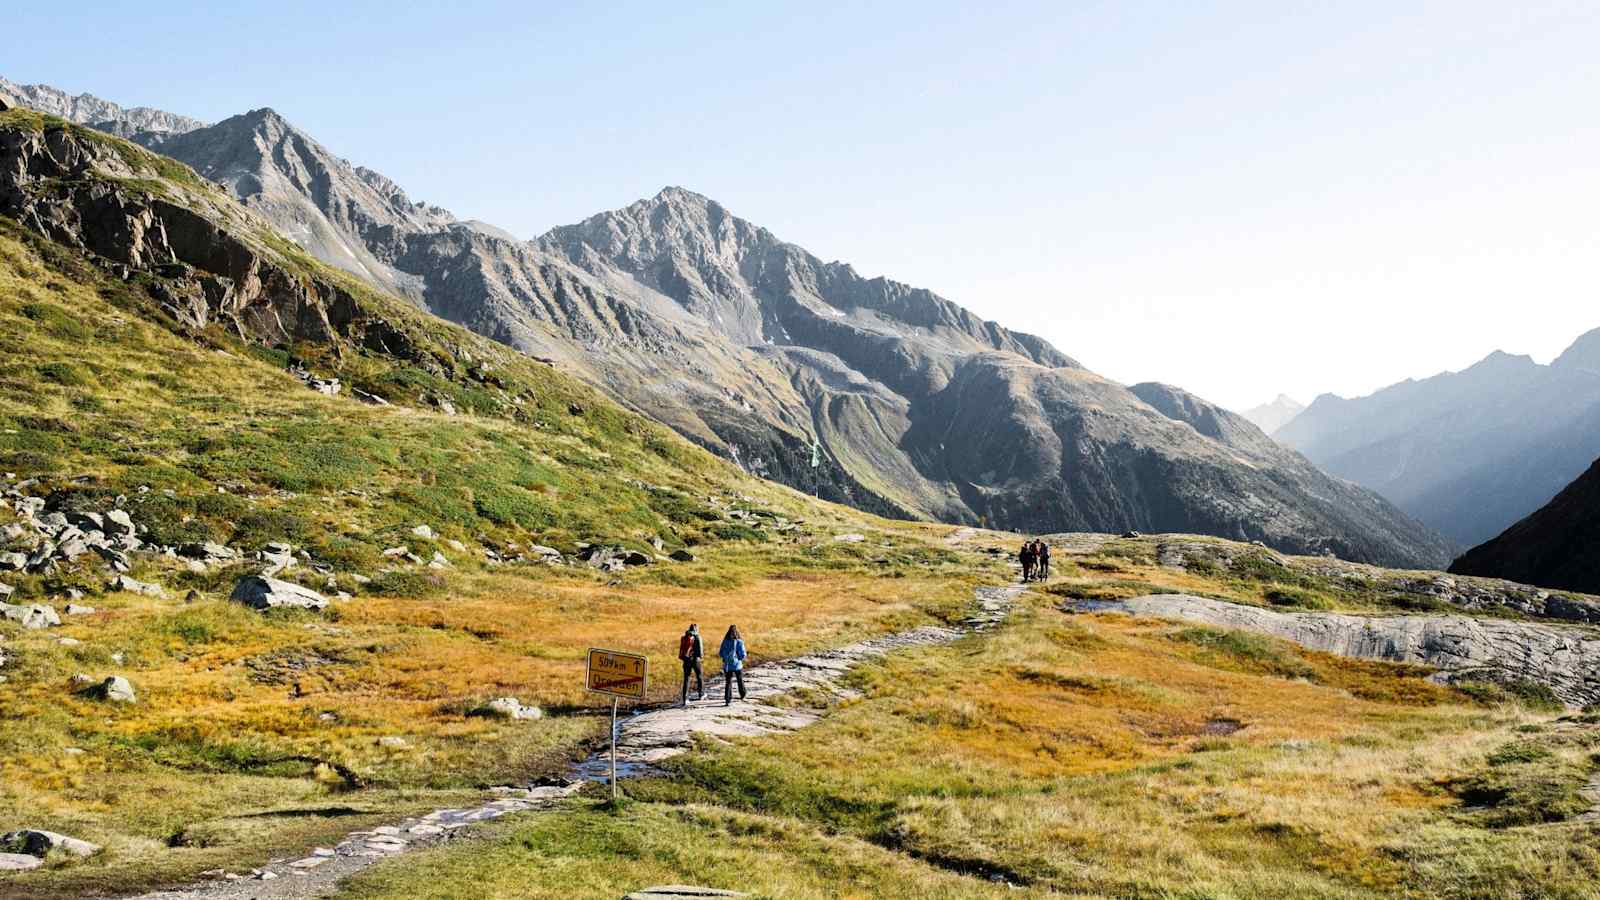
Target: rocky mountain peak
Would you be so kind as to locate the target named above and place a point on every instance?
(1583, 355)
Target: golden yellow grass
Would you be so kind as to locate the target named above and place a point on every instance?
(1076, 754)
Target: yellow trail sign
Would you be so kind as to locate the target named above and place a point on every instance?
(618, 674)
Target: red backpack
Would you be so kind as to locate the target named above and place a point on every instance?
(685, 646)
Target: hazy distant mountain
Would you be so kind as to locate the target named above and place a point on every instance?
(1269, 417)
(1558, 546)
(756, 349)
(1467, 452)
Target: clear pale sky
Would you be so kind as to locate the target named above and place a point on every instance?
(1239, 198)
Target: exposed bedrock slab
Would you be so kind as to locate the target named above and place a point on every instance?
(1565, 658)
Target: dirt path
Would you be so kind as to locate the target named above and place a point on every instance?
(643, 739)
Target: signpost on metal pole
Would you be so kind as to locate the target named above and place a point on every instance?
(621, 676)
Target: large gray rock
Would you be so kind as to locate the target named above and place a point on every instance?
(6, 102)
(1566, 659)
(124, 583)
(38, 842)
(261, 592)
(508, 708)
(34, 615)
(668, 891)
(19, 862)
(115, 689)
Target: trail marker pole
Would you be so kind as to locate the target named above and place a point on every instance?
(619, 675)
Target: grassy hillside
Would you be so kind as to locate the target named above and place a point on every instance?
(214, 440)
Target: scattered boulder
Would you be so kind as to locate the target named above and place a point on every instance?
(13, 562)
(277, 556)
(391, 742)
(681, 555)
(850, 538)
(672, 891)
(424, 532)
(34, 615)
(39, 843)
(124, 583)
(18, 862)
(635, 558)
(6, 102)
(545, 554)
(262, 592)
(114, 689)
(509, 708)
(208, 552)
(371, 399)
(74, 609)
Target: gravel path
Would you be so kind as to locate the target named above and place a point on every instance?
(643, 739)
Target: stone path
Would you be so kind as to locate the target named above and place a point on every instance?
(1565, 658)
(644, 739)
(658, 734)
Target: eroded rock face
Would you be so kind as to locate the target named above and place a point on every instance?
(1564, 658)
(213, 262)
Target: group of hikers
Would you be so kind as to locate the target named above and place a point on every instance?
(1035, 558)
(690, 652)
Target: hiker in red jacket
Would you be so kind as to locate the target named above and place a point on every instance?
(690, 650)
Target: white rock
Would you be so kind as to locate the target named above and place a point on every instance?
(261, 592)
(424, 532)
(38, 842)
(35, 615)
(507, 708)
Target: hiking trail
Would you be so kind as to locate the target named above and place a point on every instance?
(645, 738)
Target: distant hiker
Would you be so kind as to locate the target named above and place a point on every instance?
(690, 650)
(1028, 559)
(732, 653)
(1044, 560)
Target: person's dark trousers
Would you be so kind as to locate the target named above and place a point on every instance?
(728, 676)
(692, 666)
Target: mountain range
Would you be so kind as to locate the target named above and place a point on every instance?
(1468, 453)
(864, 390)
(1553, 548)
(1269, 417)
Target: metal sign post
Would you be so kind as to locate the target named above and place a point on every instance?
(619, 675)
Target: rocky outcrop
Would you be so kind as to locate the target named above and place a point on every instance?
(261, 592)
(1566, 659)
(1558, 546)
(1405, 589)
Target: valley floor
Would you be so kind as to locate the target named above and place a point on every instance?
(1088, 755)
(1061, 753)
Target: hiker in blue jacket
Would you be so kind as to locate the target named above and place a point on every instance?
(732, 653)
